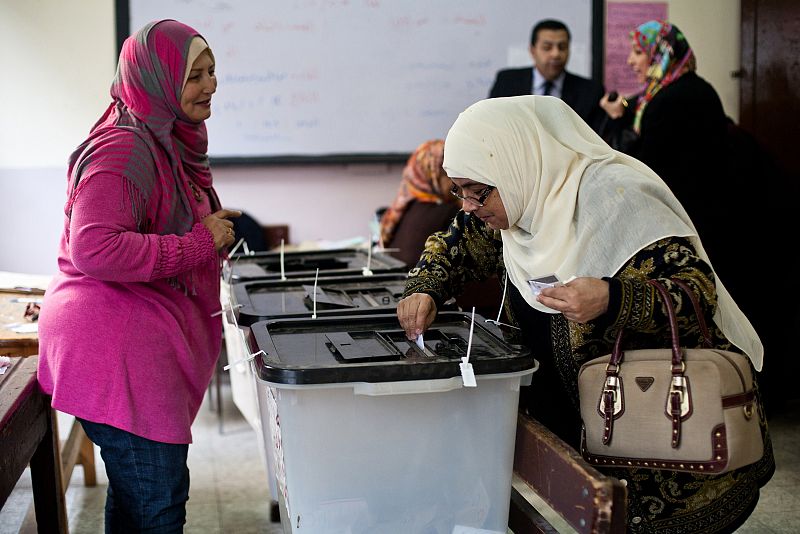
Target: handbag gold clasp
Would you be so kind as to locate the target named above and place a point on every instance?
(680, 386)
(748, 410)
(612, 386)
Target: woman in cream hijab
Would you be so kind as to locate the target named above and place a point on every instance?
(544, 195)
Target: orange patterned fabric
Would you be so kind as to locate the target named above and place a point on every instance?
(423, 181)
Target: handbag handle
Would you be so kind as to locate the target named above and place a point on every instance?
(678, 397)
(701, 320)
(677, 356)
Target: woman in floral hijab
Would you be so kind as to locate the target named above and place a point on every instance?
(669, 56)
(677, 126)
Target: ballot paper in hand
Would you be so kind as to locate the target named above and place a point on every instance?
(537, 284)
(420, 342)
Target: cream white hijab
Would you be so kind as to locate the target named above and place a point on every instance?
(575, 206)
(196, 47)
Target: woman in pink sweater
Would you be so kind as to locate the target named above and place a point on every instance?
(127, 341)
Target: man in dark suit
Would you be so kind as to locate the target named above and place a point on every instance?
(550, 52)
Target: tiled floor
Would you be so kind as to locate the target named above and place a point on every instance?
(229, 490)
(778, 509)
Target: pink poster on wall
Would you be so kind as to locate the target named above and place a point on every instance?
(621, 18)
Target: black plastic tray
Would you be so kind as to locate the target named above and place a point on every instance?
(296, 264)
(373, 348)
(260, 300)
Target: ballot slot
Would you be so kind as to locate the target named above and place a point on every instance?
(373, 346)
(356, 297)
(438, 343)
(305, 264)
(327, 298)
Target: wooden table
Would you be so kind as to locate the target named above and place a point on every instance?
(13, 343)
(21, 393)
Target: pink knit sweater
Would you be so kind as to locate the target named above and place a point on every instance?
(118, 343)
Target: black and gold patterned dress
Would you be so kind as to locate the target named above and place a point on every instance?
(658, 500)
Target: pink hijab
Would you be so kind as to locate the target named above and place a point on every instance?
(146, 94)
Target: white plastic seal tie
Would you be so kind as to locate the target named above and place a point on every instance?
(283, 274)
(229, 307)
(250, 355)
(234, 249)
(366, 270)
(467, 374)
(228, 266)
(244, 360)
(316, 277)
(500, 311)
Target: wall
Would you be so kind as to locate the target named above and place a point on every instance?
(58, 59)
(60, 56)
(296, 74)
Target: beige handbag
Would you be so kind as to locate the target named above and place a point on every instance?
(678, 409)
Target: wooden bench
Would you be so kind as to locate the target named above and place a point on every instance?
(28, 435)
(584, 498)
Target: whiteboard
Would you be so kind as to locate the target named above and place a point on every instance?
(350, 78)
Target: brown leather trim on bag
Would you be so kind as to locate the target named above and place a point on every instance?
(675, 409)
(715, 465)
(739, 399)
(608, 416)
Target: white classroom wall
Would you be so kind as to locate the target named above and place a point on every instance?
(59, 57)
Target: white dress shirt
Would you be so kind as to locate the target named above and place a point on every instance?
(539, 80)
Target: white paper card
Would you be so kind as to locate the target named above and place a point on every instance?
(537, 284)
(467, 374)
(23, 328)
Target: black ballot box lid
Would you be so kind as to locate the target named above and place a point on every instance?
(303, 264)
(373, 348)
(259, 300)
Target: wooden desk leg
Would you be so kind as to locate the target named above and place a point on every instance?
(78, 449)
(48, 490)
(86, 459)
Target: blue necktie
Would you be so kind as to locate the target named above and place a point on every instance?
(548, 86)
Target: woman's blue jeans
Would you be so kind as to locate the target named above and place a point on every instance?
(148, 481)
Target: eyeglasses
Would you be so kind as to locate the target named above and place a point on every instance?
(483, 194)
